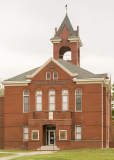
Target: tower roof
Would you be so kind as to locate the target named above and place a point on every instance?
(66, 22)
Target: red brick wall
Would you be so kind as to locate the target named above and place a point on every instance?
(1, 122)
(90, 118)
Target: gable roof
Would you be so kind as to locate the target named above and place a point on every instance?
(66, 22)
(65, 65)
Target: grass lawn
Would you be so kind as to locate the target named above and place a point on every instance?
(86, 154)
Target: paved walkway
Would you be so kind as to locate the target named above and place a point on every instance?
(24, 154)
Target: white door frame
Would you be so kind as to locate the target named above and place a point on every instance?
(49, 136)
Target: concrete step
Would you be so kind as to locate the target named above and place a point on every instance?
(48, 148)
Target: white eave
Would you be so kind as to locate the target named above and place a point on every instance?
(106, 82)
(57, 63)
(16, 83)
(76, 40)
(56, 40)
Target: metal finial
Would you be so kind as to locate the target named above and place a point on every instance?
(66, 8)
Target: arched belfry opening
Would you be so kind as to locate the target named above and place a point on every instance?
(64, 37)
(65, 53)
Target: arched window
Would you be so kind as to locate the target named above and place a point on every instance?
(65, 99)
(78, 100)
(26, 101)
(38, 100)
(52, 100)
(55, 75)
(48, 75)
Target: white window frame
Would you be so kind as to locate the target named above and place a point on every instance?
(23, 101)
(54, 77)
(59, 135)
(25, 133)
(32, 135)
(46, 75)
(49, 99)
(78, 132)
(40, 95)
(65, 94)
(81, 100)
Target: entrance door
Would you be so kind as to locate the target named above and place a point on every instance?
(51, 137)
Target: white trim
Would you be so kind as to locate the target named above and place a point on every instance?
(16, 83)
(56, 40)
(106, 82)
(59, 134)
(32, 135)
(48, 61)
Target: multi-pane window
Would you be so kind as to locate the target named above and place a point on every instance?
(65, 99)
(25, 133)
(39, 100)
(35, 134)
(48, 75)
(51, 100)
(78, 132)
(26, 101)
(78, 100)
(62, 134)
(55, 76)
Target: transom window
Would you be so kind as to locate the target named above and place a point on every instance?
(78, 100)
(48, 75)
(51, 100)
(65, 99)
(55, 75)
(78, 132)
(25, 133)
(39, 100)
(26, 101)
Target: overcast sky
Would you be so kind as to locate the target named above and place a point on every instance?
(26, 27)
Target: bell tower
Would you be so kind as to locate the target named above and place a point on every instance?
(66, 39)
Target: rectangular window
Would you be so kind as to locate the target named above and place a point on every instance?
(78, 132)
(62, 134)
(26, 103)
(25, 133)
(35, 134)
(78, 102)
(65, 102)
(39, 103)
(52, 102)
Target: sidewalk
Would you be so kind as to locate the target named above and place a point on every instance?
(24, 154)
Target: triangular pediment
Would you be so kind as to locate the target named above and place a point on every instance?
(46, 63)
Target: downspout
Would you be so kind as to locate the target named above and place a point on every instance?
(102, 115)
(108, 118)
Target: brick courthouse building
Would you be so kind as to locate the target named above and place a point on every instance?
(58, 104)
